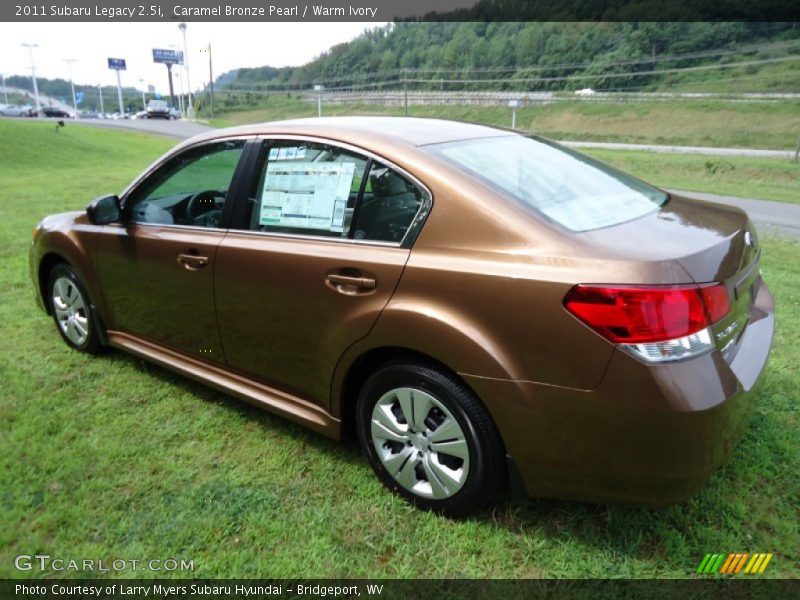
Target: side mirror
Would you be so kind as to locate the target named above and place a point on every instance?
(103, 210)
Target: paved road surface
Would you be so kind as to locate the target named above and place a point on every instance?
(749, 152)
(180, 129)
(778, 215)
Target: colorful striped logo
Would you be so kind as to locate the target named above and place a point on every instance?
(733, 564)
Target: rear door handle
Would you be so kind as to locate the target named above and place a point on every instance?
(192, 261)
(351, 281)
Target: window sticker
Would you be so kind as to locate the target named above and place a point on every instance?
(306, 195)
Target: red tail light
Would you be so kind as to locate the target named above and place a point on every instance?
(640, 314)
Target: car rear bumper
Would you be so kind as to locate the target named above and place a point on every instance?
(648, 434)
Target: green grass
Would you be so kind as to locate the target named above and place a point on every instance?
(762, 178)
(111, 457)
(681, 122)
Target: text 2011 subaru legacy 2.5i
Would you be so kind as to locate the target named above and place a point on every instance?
(484, 309)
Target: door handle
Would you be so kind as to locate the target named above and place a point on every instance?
(192, 261)
(347, 283)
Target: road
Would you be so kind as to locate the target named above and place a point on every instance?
(766, 214)
(705, 150)
(180, 129)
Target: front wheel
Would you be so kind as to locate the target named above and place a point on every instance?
(429, 439)
(69, 304)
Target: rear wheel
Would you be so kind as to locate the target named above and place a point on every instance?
(69, 304)
(429, 439)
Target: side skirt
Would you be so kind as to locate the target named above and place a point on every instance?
(290, 407)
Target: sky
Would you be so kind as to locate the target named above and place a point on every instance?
(233, 45)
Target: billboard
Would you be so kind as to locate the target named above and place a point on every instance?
(116, 63)
(169, 57)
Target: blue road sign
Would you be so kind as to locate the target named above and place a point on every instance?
(169, 57)
(116, 63)
(79, 97)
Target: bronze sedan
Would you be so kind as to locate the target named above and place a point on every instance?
(485, 310)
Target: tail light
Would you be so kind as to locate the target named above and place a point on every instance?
(657, 323)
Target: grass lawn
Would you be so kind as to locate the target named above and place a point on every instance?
(110, 457)
(761, 178)
(679, 122)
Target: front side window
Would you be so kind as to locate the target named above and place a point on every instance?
(190, 189)
(314, 189)
(567, 187)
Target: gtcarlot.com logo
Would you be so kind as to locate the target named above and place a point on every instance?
(734, 563)
(45, 562)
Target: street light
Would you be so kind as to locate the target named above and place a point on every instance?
(100, 89)
(30, 48)
(5, 89)
(318, 89)
(69, 61)
(182, 27)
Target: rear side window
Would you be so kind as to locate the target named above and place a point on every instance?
(321, 190)
(566, 187)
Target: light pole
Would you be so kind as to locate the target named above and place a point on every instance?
(182, 27)
(30, 48)
(210, 78)
(180, 91)
(100, 89)
(69, 61)
(318, 89)
(5, 89)
(144, 100)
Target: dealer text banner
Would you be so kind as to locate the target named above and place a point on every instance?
(383, 10)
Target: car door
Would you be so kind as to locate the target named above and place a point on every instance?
(297, 278)
(156, 266)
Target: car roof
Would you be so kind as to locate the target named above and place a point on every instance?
(413, 131)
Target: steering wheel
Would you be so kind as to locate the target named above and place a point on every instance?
(204, 205)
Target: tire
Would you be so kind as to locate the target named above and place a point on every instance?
(449, 458)
(71, 309)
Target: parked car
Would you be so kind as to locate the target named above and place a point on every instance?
(174, 113)
(485, 310)
(52, 112)
(142, 114)
(158, 109)
(585, 92)
(11, 110)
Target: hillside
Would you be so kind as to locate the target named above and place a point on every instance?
(540, 56)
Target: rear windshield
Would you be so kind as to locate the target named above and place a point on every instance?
(157, 104)
(566, 187)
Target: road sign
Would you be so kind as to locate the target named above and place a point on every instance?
(78, 97)
(151, 89)
(116, 63)
(168, 57)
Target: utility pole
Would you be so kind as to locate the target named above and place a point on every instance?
(210, 79)
(182, 27)
(69, 61)
(5, 89)
(100, 89)
(30, 48)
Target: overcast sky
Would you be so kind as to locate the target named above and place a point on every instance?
(233, 44)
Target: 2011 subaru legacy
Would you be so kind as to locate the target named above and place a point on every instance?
(485, 310)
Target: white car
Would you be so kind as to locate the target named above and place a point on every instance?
(16, 111)
(585, 92)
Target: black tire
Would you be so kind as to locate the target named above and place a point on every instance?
(92, 343)
(485, 481)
